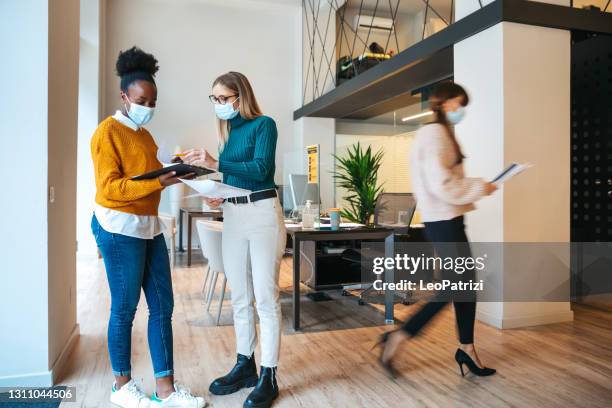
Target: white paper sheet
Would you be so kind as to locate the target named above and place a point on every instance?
(350, 225)
(214, 189)
(298, 225)
(514, 169)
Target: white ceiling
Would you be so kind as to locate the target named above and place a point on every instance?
(239, 3)
(297, 3)
(405, 6)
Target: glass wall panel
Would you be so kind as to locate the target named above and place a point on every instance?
(391, 133)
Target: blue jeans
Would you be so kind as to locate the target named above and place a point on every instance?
(132, 264)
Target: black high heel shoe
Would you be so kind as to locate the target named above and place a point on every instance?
(461, 357)
(386, 365)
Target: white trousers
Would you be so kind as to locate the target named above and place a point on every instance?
(255, 232)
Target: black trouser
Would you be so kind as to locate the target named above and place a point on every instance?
(441, 233)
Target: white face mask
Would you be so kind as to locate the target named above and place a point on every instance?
(139, 114)
(456, 116)
(227, 111)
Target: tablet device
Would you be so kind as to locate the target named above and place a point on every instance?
(181, 169)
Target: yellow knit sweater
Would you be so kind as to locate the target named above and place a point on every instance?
(120, 153)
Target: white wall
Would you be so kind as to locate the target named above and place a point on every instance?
(23, 242)
(196, 41)
(465, 7)
(90, 107)
(434, 24)
(37, 121)
(394, 172)
(62, 145)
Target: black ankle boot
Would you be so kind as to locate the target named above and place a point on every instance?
(265, 391)
(244, 374)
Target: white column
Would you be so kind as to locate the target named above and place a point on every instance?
(38, 126)
(518, 78)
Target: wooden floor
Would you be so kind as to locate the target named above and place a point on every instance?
(330, 363)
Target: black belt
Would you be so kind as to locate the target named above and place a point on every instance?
(251, 198)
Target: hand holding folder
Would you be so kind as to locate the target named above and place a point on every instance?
(179, 169)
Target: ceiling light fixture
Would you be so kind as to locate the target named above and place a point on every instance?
(417, 116)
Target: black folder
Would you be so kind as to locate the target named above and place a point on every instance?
(181, 169)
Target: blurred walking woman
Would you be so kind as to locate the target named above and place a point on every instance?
(253, 228)
(444, 194)
(127, 231)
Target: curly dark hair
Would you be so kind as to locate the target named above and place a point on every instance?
(135, 65)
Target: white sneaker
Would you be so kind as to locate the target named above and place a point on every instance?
(180, 398)
(129, 396)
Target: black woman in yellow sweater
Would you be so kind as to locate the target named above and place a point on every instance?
(128, 234)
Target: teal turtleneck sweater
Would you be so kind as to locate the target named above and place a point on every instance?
(247, 159)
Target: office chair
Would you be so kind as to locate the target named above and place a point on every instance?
(389, 207)
(209, 233)
(168, 225)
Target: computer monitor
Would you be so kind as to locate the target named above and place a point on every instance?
(302, 191)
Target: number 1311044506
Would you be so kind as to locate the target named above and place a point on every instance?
(59, 393)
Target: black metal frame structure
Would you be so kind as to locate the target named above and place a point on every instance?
(358, 97)
(316, 35)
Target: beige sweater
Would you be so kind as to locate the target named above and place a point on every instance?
(442, 190)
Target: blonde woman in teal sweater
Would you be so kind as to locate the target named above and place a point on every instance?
(254, 228)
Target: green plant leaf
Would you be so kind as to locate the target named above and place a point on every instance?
(357, 173)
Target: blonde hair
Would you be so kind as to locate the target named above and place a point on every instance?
(247, 104)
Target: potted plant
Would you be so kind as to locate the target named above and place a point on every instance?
(357, 173)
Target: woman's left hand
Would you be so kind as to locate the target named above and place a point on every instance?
(213, 202)
(200, 157)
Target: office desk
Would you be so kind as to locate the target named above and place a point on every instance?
(299, 235)
(191, 214)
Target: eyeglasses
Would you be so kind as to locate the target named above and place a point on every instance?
(221, 100)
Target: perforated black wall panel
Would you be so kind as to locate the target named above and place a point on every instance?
(591, 138)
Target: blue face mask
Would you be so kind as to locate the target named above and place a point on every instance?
(139, 114)
(456, 116)
(227, 111)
